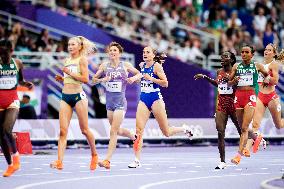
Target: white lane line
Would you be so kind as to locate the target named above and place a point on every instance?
(263, 168)
(30, 174)
(67, 172)
(84, 171)
(77, 179)
(189, 179)
(124, 169)
(148, 168)
(231, 165)
(170, 172)
(45, 164)
(83, 166)
(238, 169)
(81, 163)
(147, 164)
(105, 170)
(197, 166)
(191, 171)
(172, 167)
(37, 168)
(265, 184)
(276, 164)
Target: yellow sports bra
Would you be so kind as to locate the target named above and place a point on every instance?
(74, 66)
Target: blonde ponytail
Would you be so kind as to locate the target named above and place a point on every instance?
(88, 47)
(280, 56)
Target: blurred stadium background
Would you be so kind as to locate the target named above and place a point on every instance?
(191, 32)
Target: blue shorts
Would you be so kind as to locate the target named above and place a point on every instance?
(116, 103)
(72, 99)
(149, 98)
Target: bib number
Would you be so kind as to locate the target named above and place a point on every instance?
(114, 86)
(245, 80)
(72, 69)
(147, 87)
(224, 89)
(8, 82)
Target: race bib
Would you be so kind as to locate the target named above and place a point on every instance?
(147, 87)
(246, 80)
(72, 69)
(8, 82)
(114, 86)
(224, 89)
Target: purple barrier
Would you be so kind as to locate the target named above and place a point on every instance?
(184, 98)
(71, 25)
(34, 73)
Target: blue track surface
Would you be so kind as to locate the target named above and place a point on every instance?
(162, 168)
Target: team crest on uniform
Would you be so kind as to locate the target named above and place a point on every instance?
(251, 65)
(1, 66)
(12, 66)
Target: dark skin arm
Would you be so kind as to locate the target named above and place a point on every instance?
(210, 80)
(22, 81)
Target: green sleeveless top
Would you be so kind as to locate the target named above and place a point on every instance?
(248, 75)
(9, 75)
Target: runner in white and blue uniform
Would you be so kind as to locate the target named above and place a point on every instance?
(150, 91)
(151, 100)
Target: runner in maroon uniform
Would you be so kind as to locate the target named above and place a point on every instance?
(225, 106)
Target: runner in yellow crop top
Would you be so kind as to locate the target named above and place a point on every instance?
(75, 73)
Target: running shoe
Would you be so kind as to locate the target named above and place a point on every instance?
(257, 143)
(16, 161)
(237, 159)
(94, 162)
(246, 152)
(187, 131)
(135, 164)
(136, 142)
(105, 163)
(10, 170)
(57, 165)
(263, 144)
(221, 165)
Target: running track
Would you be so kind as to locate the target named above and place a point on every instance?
(162, 168)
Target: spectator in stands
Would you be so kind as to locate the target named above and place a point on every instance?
(42, 40)
(234, 21)
(27, 111)
(195, 50)
(269, 36)
(260, 20)
(87, 9)
(16, 32)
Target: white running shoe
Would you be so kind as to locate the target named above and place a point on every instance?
(135, 164)
(222, 165)
(263, 143)
(187, 131)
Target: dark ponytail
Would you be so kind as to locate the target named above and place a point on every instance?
(6, 48)
(159, 57)
(232, 57)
